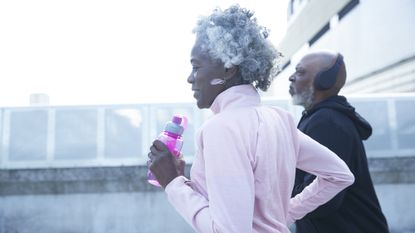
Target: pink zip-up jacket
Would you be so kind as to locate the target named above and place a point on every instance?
(244, 168)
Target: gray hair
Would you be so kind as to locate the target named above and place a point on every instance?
(234, 37)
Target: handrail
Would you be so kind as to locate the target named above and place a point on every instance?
(114, 135)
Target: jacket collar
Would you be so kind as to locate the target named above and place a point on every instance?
(235, 97)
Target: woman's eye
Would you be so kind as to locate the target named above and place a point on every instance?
(194, 71)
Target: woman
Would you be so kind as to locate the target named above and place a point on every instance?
(244, 168)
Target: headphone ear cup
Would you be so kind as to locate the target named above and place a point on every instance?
(318, 81)
(326, 79)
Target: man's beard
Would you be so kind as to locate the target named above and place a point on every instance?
(304, 99)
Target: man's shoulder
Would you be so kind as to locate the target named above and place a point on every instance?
(327, 114)
(328, 117)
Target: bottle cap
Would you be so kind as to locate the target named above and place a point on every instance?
(177, 120)
(175, 125)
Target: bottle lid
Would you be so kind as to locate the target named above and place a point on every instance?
(175, 125)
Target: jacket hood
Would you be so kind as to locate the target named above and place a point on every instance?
(340, 104)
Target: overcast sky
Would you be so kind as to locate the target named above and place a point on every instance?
(83, 52)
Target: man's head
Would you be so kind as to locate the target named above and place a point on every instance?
(317, 77)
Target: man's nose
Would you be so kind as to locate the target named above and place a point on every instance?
(291, 78)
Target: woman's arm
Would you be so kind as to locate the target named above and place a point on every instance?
(230, 186)
(332, 176)
(335, 138)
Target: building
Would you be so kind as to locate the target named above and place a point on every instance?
(376, 38)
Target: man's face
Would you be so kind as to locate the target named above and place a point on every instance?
(301, 87)
(204, 70)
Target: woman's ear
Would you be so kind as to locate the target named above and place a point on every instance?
(230, 72)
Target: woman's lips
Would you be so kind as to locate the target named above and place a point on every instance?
(195, 93)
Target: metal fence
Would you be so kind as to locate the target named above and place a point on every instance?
(116, 135)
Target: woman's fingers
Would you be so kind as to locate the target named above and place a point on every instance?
(153, 150)
(159, 145)
(180, 164)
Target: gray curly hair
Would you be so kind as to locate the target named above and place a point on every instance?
(234, 37)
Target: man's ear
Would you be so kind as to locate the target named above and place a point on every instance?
(230, 72)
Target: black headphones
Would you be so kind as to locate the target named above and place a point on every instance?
(326, 78)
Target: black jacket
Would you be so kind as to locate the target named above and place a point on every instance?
(335, 124)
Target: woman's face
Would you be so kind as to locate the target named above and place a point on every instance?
(204, 70)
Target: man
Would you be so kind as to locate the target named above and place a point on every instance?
(329, 119)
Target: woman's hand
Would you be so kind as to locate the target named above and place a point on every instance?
(163, 165)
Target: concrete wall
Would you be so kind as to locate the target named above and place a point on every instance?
(124, 212)
(90, 200)
(118, 199)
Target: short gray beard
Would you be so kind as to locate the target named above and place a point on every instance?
(304, 99)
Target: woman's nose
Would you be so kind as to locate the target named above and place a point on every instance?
(191, 78)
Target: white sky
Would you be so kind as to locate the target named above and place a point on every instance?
(83, 52)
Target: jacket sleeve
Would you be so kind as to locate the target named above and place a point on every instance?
(302, 180)
(230, 186)
(336, 139)
(332, 176)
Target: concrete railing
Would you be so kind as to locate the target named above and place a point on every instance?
(114, 135)
(81, 168)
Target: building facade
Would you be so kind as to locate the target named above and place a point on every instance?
(375, 37)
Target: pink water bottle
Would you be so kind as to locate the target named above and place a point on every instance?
(172, 138)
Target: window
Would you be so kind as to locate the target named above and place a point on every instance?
(76, 134)
(286, 65)
(319, 34)
(405, 118)
(346, 9)
(376, 113)
(123, 133)
(28, 135)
